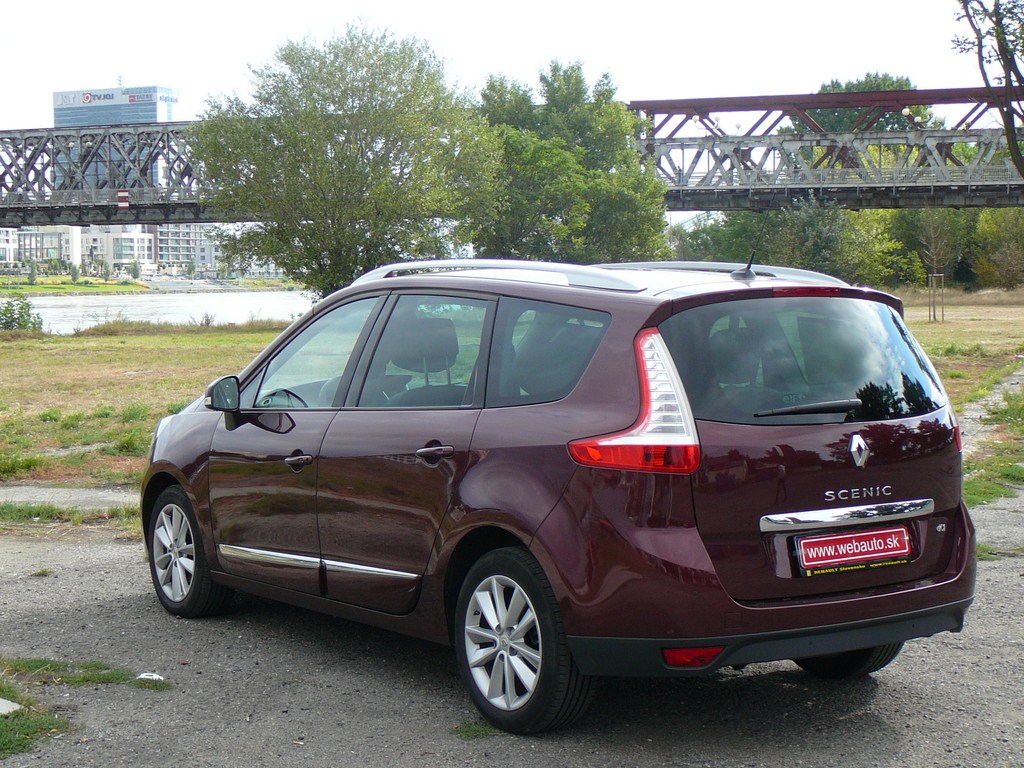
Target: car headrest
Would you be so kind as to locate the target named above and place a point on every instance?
(429, 345)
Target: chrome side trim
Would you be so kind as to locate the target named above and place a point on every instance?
(267, 557)
(270, 557)
(333, 566)
(792, 522)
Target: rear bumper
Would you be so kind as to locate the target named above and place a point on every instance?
(642, 657)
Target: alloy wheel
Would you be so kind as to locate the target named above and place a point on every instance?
(174, 554)
(503, 642)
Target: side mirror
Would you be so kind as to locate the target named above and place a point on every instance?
(222, 395)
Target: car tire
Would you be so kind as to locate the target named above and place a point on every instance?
(511, 648)
(851, 663)
(177, 559)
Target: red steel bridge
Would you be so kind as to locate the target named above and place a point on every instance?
(751, 153)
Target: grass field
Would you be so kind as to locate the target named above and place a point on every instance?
(10, 286)
(81, 409)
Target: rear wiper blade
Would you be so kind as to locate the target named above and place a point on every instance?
(827, 406)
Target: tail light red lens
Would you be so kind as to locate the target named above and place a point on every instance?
(664, 438)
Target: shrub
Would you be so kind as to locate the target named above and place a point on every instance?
(16, 315)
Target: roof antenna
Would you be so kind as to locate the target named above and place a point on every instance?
(747, 273)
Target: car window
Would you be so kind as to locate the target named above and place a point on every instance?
(540, 350)
(307, 372)
(427, 355)
(741, 360)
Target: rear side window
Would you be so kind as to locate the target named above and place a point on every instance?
(784, 360)
(540, 350)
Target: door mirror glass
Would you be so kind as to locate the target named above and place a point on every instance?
(222, 395)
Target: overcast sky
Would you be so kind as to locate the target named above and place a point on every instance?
(652, 50)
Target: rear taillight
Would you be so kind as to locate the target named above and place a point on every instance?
(664, 438)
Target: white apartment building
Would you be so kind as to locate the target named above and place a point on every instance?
(8, 247)
(118, 245)
(179, 245)
(164, 248)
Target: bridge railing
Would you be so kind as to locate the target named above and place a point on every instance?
(958, 162)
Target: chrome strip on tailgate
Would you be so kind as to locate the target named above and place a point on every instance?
(791, 522)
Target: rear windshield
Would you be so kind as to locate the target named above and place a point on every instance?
(800, 360)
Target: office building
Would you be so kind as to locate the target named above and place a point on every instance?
(113, 106)
(50, 244)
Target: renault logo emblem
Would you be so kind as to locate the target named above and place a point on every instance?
(859, 450)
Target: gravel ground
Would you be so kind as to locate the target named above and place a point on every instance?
(271, 685)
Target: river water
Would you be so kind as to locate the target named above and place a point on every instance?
(66, 314)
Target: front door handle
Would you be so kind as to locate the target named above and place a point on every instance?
(434, 453)
(298, 460)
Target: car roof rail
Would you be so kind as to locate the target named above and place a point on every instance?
(577, 275)
(788, 273)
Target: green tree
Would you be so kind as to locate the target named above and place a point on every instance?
(841, 120)
(349, 155)
(731, 237)
(873, 256)
(106, 270)
(1001, 235)
(76, 273)
(811, 236)
(136, 270)
(944, 238)
(572, 184)
(695, 240)
(33, 272)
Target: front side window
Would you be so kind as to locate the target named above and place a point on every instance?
(793, 360)
(427, 355)
(307, 372)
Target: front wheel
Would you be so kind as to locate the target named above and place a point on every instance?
(851, 663)
(177, 560)
(511, 648)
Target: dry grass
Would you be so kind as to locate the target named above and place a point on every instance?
(83, 408)
(957, 297)
(975, 347)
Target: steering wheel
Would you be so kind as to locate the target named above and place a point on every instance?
(289, 398)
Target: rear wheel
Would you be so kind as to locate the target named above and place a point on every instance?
(512, 652)
(851, 663)
(177, 560)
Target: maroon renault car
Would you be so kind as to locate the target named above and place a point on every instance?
(569, 472)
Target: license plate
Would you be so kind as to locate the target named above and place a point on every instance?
(842, 552)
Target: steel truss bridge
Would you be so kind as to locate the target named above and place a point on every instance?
(144, 173)
(759, 166)
(100, 175)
